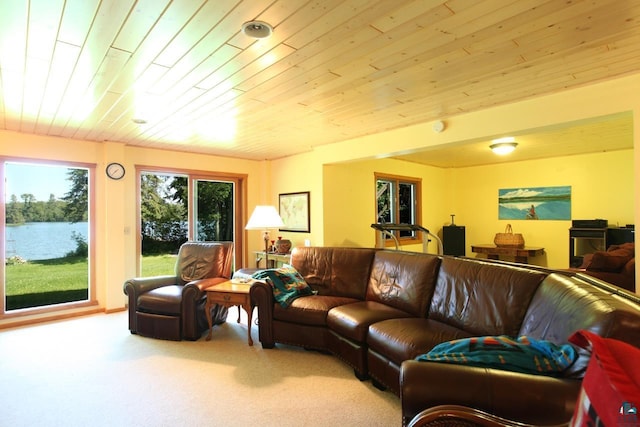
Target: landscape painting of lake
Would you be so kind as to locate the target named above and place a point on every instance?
(533, 203)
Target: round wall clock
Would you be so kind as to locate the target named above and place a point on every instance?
(115, 170)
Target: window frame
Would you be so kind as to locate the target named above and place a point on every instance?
(92, 300)
(397, 180)
(238, 180)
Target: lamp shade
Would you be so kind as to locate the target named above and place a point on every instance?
(264, 217)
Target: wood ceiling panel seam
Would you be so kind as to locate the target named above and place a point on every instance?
(96, 45)
(162, 32)
(138, 22)
(195, 29)
(406, 13)
(297, 83)
(326, 22)
(63, 62)
(454, 37)
(231, 25)
(137, 50)
(299, 51)
(76, 22)
(602, 17)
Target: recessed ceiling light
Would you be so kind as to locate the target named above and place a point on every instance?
(257, 29)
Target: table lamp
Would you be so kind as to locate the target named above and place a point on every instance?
(264, 218)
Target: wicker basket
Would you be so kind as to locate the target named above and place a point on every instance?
(509, 239)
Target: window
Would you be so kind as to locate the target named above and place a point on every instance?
(46, 262)
(398, 201)
(176, 206)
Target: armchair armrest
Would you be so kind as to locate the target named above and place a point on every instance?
(193, 293)
(261, 294)
(511, 395)
(201, 284)
(139, 285)
(454, 415)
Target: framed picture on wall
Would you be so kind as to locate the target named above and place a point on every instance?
(294, 211)
(528, 203)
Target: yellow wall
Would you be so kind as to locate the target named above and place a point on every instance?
(302, 173)
(601, 187)
(349, 199)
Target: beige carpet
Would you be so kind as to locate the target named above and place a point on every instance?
(92, 372)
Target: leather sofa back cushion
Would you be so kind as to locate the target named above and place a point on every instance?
(403, 280)
(483, 298)
(613, 260)
(562, 306)
(340, 272)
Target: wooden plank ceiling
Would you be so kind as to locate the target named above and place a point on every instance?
(332, 69)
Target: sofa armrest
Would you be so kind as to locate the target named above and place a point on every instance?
(511, 395)
(261, 294)
(454, 415)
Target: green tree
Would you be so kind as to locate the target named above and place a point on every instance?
(13, 214)
(77, 206)
(54, 209)
(28, 211)
(163, 216)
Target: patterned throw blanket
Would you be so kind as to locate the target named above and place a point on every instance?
(522, 354)
(286, 282)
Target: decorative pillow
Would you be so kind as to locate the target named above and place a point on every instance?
(522, 354)
(612, 261)
(286, 282)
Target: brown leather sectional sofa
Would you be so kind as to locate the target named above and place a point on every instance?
(379, 309)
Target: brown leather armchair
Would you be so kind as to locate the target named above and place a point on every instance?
(172, 307)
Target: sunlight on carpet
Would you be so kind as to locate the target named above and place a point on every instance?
(92, 372)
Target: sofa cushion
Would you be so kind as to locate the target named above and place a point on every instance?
(335, 271)
(165, 300)
(404, 339)
(483, 298)
(404, 280)
(613, 260)
(352, 320)
(309, 310)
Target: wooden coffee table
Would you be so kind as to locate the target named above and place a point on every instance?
(229, 294)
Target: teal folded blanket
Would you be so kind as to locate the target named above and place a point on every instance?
(286, 282)
(522, 354)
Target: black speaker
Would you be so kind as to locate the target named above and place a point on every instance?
(453, 240)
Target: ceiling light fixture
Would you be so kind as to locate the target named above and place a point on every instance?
(257, 29)
(503, 146)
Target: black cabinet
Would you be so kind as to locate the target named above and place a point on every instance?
(584, 241)
(618, 236)
(453, 240)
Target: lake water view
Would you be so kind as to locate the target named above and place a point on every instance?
(43, 240)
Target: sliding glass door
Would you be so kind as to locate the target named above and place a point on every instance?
(46, 235)
(214, 205)
(177, 207)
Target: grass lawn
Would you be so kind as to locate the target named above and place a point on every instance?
(60, 280)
